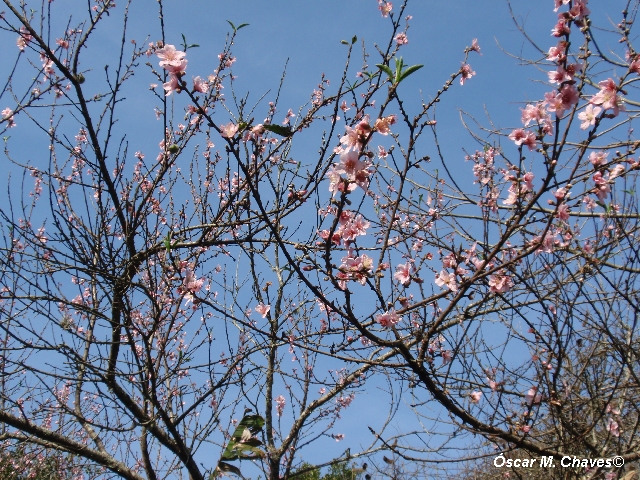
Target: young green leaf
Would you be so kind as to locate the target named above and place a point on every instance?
(385, 69)
(409, 71)
(279, 130)
(242, 26)
(354, 40)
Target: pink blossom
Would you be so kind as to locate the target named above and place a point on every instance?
(173, 85)
(338, 437)
(382, 124)
(598, 158)
(552, 308)
(558, 3)
(613, 427)
(608, 97)
(474, 46)
(579, 9)
(500, 283)
(280, 403)
(228, 130)
(263, 309)
(528, 181)
(634, 66)
(563, 212)
(532, 397)
(445, 278)
(561, 28)
(403, 273)
(475, 396)
(200, 85)
(522, 137)
(388, 318)
(557, 53)
(7, 114)
(532, 113)
(401, 38)
(602, 186)
(466, 73)
(63, 43)
(589, 115)
(24, 38)
(172, 60)
(385, 8)
(616, 172)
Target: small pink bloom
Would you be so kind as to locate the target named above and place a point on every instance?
(522, 137)
(589, 115)
(280, 403)
(608, 97)
(598, 158)
(385, 8)
(401, 39)
(475, 396)
(7, 114)
(173, 85)
(532, 397)
(200, 85)
(613, 427)
(172, 60)
(263, 309)
(388, 318)
(228, 130)
(444, 278)
(563, 212)
(500, 283)
(403, 273)
(466, 73)
(474, 46)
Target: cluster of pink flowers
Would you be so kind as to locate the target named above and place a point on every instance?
(350, 226)
(388, 318)
(401, 39)
(519, 188)
(356, 268)
(7, 114)
(24, 38)
(190, 284)
(567, 95)
(500, 283)
(357, 173)
(173, 61)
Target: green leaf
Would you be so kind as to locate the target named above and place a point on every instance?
(242, 126)
(385, 69)
(354, 40)
(232, 25)
(279, 130)
(242, 26)
(242, 445)
(226, 467)
(409, 71)
(344, 42)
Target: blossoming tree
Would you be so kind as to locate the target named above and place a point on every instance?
(158, 307)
